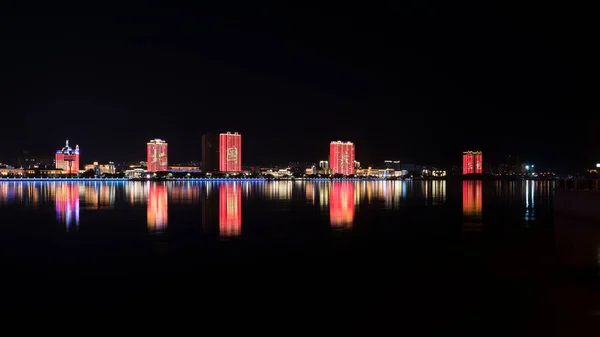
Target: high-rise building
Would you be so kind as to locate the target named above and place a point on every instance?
(67, 159)
(392, 164)
(472, 162)
(157, 155)
(28, 161)
(230, 152)
(210, 152)
(341, 157)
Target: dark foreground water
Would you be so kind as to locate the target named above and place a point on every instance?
(360, 258)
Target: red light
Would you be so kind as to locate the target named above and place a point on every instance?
(341, 204)
(472, 203)
(230, 152)
(158, 207)
(67, 204)
(230, 209)
(472, 162)
(157, 156)
(341, 158)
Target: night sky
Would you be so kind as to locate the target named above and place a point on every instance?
(419, 83)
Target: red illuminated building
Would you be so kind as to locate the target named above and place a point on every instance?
(341, 157)
(157, 155)
(341, 204)
(67, 159)
(158, 207)
(230, 209)
(472, 162)
(230, 152)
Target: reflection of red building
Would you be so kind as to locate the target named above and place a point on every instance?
(341, 157)
(230, 209)
(157, 155)
(158, 207)
(472, 162)
(67, 204)
(341, 204)
(472, 204)
(67, 159)
(230, 152)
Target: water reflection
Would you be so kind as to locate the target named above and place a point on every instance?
(67, 204)
(472, 205)
(530, 187)
(158, 207)
(99, 195)
(341, 204)
(230, 209)
(340, 201)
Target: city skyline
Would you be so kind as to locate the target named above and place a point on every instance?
(422, 95)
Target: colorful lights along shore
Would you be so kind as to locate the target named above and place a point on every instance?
(341, 157)
(472, 162)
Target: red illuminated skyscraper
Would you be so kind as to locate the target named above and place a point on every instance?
(67, 159)
(472, 162)
(341, 157)
(230, 152)
(157, 155)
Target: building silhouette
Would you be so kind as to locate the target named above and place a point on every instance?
(210, 152)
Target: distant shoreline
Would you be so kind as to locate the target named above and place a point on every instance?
(3, 179)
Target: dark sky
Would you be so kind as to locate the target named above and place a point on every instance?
(418, 82)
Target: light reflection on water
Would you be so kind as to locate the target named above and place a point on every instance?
(221, 202)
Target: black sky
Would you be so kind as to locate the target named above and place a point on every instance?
(419, 82)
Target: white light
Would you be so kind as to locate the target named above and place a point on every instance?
(598, 165)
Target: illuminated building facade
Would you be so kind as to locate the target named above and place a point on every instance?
(230, 152)
(101, 168)
(230, 209)
(472, 162)
(341, 157)
(67, 159)
(341, 204)
(210, 152)
(158, 207)
(157, 155)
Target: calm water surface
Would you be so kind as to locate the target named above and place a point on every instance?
(234, 209)
(375, 253)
